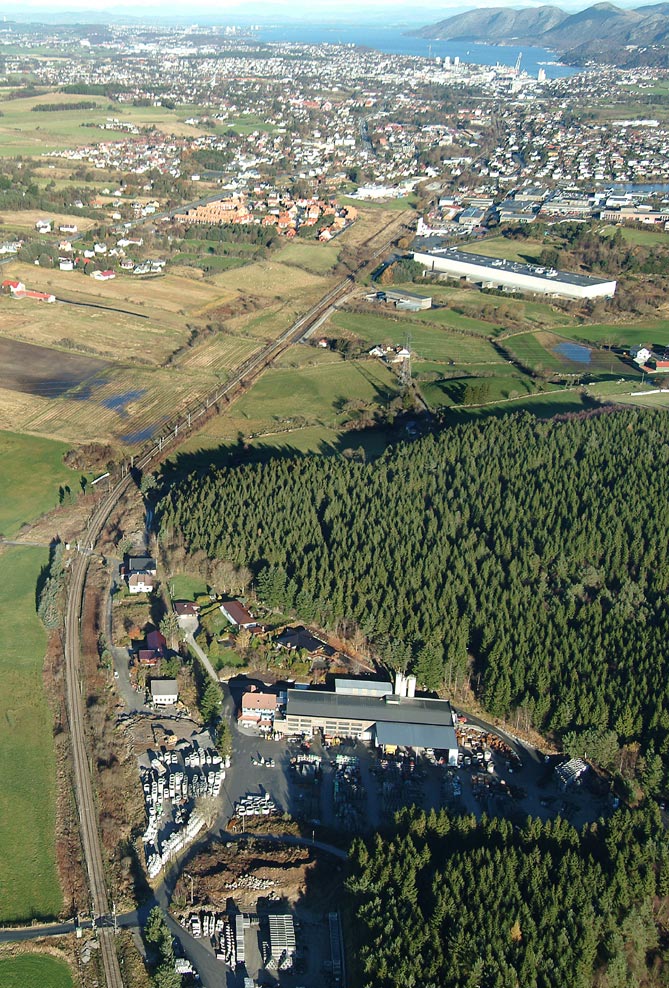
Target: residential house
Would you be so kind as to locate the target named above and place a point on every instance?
(237, 614)
(188, 615)
(164, 692)
(141, 583)
(157, 642)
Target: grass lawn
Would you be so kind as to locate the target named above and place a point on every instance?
(29, 884)
(33, 470)
(513, 250)
(34, 971)
(185, 587)
(644, 238)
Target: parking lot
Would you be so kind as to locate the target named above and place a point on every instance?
(353, 787)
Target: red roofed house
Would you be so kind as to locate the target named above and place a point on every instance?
(258, 710)
(156, 641)
(237, 614)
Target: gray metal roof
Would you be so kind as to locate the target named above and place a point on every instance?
(362, 687)
(164, 687)
(388, 710)
(416, 736)
(494, 264)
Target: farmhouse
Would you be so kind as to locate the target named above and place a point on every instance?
(141, 583)
(237, 614)
(511, 276)
(164, 692)
(373, 711)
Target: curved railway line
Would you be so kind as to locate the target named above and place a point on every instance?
(82, 771)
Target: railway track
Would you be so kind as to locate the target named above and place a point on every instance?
(83, 783)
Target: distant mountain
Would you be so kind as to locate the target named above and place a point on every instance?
(603, 32)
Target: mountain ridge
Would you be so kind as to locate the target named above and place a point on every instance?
(602, 32)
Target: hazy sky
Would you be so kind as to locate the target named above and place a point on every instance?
(243, 10)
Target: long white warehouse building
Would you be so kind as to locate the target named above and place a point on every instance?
(496, 273)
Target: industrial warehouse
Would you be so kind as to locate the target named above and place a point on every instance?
(371, 710)
(511, 276)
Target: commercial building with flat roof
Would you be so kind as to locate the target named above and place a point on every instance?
(508, 275)
(390, 720)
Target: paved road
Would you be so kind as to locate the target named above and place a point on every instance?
(202, 656)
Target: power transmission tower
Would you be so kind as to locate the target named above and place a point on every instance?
(405, 370)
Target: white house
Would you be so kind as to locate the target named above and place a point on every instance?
(141, 583)
(640, 354)
(164, 692)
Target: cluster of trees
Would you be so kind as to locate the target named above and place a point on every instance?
(157, 933)
(455, 903)
(51, 588)
(520, 556)
(84, 104)
(401, 272)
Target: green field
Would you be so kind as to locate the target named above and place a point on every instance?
(538, 351)
(427, 342)
(543, 405)
(285, 398)
(34, 971)
(406, 202)
(25, 132)
(32, 472)
(311, 255)
(497, 387)
(643, 238)
(29, 884)
(656, 333)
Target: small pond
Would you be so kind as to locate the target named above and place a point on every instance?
(574, 351)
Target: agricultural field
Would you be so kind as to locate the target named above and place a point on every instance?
(427, 342)
(524, 251)
(647, 333)
(549, 352)
(35, 971)
(93, 332)
(23, 220)
(27, 759)
(218, 355)
(27, 132)
(311, 255)
(158, 298)
(26, 458)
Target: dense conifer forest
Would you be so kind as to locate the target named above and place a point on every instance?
(449, 902)
(527, 557)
